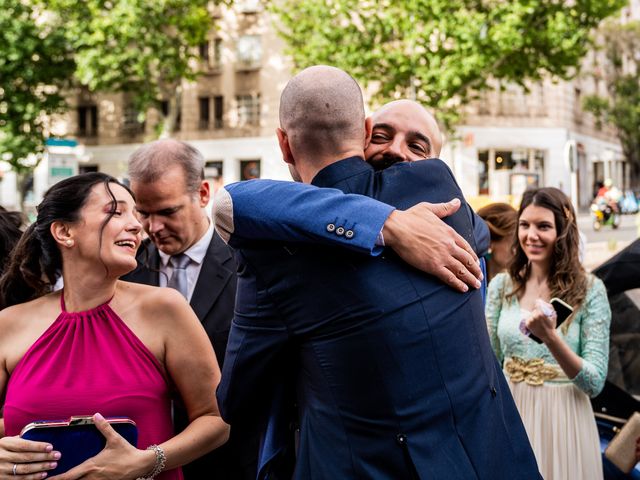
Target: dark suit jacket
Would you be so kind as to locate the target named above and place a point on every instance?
(212, 301)
(394, 373)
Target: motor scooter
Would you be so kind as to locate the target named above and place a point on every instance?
(604, 214)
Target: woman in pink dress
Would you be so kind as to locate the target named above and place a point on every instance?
(100, 346)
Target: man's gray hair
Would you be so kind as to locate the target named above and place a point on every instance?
(150, 161)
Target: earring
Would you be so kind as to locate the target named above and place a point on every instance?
(68, 242)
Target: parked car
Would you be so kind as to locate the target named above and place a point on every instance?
(620, 397)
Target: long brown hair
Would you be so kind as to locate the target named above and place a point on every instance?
(568, 279)
(501, 218)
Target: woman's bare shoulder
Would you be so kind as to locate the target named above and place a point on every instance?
(16, 317)
(155, 302)
(136, 288)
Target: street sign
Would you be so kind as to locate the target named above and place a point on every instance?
(60, 142)
(62, 160)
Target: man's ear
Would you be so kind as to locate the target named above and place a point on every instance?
(285, 148)
(204, 193)
(62, 234)
(368, 131)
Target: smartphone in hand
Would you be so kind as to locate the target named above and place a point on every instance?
(563, 311)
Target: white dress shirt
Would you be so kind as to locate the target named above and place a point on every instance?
(196, 254)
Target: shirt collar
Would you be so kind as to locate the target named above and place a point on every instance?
(196, 252)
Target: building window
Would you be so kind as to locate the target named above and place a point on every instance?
(205, 117)
(484, 103)
(512, 101)
(577, 105)
(520, 160)
(504, 161)
(249, 52)
(218, 112)
(204, 52)
(132, 123)
(538, 164)
(211, 53)
(213, 169)
(249, 169)
(204, 104)
(248, 110)
(87, 121)
(213, 174)
(483, 172)
(217, 52)
(537, 101)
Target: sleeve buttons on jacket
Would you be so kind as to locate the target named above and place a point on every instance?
(349, 234)
(331, 228)
(340, 231)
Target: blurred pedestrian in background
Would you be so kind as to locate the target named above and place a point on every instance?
(551, 382)
(610, 195)
(501, 218)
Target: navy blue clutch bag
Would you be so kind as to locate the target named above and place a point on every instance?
(77, 439)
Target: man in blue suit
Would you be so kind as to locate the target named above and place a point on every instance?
(393, 371)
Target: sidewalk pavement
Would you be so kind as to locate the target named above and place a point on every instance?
(596, 253)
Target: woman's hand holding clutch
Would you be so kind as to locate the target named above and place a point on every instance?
(25, 459)
(118, 461)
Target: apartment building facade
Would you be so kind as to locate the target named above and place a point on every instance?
(513, 140)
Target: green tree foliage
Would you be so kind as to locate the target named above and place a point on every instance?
(35, 66)
(621, 74)
(143, 47)
(441, 52)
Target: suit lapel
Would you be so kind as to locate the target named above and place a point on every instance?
(148, 269)
(217, 269)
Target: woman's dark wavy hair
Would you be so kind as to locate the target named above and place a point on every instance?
(10, 232)
(568, 279)
(36, 261)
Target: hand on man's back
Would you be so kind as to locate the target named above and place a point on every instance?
(423, 240)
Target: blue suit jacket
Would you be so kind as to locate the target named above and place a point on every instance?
(393, 371)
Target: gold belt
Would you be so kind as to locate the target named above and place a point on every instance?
(533, 372)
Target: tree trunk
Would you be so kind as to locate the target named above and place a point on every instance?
(170, 120)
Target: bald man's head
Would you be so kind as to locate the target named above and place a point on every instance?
(321, 110)
(403, 131)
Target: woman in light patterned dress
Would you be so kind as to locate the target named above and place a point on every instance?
(552, 381)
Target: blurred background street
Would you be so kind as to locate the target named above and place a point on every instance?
(605, 243)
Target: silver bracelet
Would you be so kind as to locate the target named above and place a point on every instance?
(161, 461)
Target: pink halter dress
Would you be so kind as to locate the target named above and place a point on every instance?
(88, 362)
